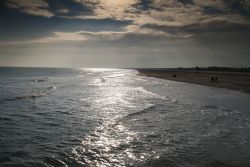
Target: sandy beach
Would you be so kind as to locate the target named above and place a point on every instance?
(229, 80)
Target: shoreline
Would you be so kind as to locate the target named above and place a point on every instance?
(230, 80)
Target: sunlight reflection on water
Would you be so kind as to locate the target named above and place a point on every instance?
(110, 143)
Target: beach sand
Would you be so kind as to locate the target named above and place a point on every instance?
(229, 80)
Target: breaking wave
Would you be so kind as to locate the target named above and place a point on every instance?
(32, 94)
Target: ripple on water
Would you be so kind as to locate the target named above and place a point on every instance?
(116, 118)
(107, 144)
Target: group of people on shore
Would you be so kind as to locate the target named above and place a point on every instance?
(214, 79)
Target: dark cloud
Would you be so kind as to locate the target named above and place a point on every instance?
(241, 6)
(198, 30)
(212, 10)
(186, 1)
(32, 7)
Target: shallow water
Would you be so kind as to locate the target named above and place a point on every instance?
(113, 117)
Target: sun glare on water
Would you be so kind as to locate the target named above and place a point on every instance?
(110, 142)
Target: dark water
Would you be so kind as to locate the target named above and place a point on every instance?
(112, 117)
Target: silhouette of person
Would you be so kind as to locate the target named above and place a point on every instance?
(215, 79)
(212, 80)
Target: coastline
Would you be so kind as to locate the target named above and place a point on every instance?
(230, 80)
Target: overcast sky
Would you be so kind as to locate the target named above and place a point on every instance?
(124, 33)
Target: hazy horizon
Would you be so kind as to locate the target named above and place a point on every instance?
(103, 67)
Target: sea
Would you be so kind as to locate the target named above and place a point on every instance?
(52, 117)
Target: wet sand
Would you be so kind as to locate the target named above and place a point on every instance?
(229, 80)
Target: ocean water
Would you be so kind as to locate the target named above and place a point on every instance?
(113, 117)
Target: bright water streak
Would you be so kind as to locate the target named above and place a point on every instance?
(113, 117)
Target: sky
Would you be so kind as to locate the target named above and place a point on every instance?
(124, 33)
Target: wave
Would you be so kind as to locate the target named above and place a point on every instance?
(32, 95)
(149, 93)
(155, 95)
(40, 79)
(145, 110)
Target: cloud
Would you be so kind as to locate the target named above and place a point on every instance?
(63, 10)
(109, 9)
(200, 30)
(162, 12)
(219, 4)
(165, 18)
(83, 36)
(32, 7)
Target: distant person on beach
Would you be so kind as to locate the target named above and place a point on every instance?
(215, 79)
(212, 80)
